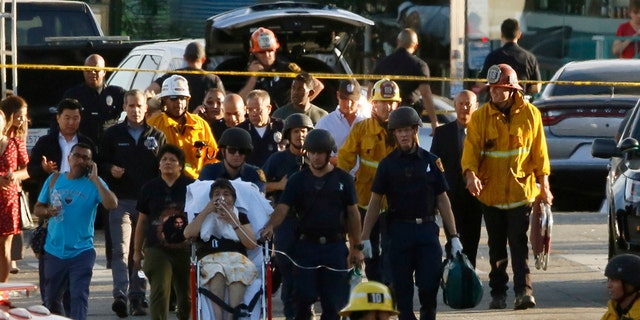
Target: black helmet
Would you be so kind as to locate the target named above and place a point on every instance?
(624, 267)
(403, 117)
(319, 140)
(296, 120)
(236, 138)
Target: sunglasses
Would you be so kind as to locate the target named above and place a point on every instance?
(236, 150)
(174, 98)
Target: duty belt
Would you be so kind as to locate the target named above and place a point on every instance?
(322, 239)
(418, 220)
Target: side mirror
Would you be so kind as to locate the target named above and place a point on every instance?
(605, 148)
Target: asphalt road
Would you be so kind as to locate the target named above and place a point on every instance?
(573, 286)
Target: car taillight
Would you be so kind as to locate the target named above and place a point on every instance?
(632, 190)
(553, 116)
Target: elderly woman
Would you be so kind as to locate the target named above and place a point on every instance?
(159, 236)
(225, 235)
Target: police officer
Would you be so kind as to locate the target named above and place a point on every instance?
(183, 129)
(266, 132)
(624, 287)
(363, 149)
(324, 198)
(278, 168)
(370, 300)
(235, 145)
(412, 179)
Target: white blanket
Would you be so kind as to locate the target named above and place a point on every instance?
(250, 200)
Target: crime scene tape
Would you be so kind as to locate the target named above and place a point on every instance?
(339, 76)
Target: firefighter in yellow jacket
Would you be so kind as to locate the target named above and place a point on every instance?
(504, 155)
(188, 131)
(365, 146)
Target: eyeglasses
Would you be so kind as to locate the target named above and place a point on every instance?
(84, 157)
(236, 150)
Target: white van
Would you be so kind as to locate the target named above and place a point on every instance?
(160, 56)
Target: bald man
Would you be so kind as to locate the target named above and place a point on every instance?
(403, 62)
(101, 105)
(235, 111)
(448, 141)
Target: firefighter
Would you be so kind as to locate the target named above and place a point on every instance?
(370, 300)
(623, 282)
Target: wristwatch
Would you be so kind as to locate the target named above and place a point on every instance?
(358, 246)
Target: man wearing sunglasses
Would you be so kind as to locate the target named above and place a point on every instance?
(188, 131)
(235, 144)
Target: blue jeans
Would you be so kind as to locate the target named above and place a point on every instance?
(122, 225)
(284, 240)
(415, 248)
(73, 274)
(331, 286)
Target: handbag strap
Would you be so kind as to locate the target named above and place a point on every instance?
(52, 182)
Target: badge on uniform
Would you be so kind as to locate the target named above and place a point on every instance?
(277, 137)
(109, 101)
(151, 143)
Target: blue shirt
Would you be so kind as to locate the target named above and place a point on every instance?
(411, 182)
(71, 232)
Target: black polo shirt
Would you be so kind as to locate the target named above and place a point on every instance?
(403, 63)
(411, 182)
(282, 164)
(522, 61)
(320, 202)
(99, 110)
(279, 88)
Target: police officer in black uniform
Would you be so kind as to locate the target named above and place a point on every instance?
(235, 145)
(324, 198)
(278, 168)
(265, 131)
(413, 181)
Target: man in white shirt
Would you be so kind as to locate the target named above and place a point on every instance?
(340, 121)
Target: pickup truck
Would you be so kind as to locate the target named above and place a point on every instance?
(57, 32)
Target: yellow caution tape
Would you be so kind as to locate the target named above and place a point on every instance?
(372, 77)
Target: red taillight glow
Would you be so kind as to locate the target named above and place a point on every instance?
(553, 116)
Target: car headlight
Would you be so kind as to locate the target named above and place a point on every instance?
(632, 190)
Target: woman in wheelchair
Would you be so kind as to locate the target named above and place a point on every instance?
(224, 235)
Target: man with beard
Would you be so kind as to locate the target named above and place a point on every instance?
(368, 143)
(324, 199)
(278, 168)
(301, 93)
(235, 145)
(189, 132)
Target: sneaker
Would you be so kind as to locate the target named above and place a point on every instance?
(524, 302)
(136, 308)
(498, 302)
(119, 306)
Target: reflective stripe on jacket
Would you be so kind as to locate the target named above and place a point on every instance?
(366, 143)
(507, 153)
(185, 137)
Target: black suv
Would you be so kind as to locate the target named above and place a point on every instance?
(623, 184)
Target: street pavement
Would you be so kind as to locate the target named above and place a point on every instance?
(573, 286)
